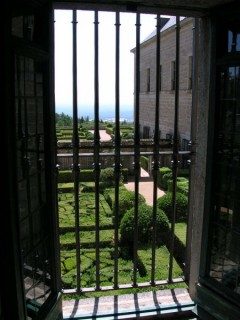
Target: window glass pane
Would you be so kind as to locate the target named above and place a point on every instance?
(32, 204)
(225, 253)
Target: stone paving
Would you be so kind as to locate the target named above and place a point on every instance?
(145, 187)
(103, 135)
(155, 301)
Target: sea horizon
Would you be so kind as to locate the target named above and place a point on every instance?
(108, 114)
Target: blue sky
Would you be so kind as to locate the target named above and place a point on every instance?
(85, 37)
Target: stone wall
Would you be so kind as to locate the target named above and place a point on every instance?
(167, 95)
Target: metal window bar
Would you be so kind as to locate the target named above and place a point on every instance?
(175, 158)
(117, 153)
(117, 160)
(155, 163)
(136, 149)
(25, 146)
(76, 167)
(97, 165)
(192, 142)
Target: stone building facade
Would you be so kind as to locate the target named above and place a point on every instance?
(167, 81)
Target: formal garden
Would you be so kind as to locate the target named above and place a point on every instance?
(87, 210)
(85, 130)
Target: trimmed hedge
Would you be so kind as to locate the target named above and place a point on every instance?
(107, 177)
(182, 185)
(145, 225)
(165, 203)
(162, 172)
(144, 163)
(166, 177)
(109, 130)
(65, 176)
(126, 202)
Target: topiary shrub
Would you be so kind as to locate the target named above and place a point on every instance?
(145, 225)
(182, 185)
(162, 172)
(107, 178)
(144, 162)
(165, 203)
(126, 202)
(167, 176)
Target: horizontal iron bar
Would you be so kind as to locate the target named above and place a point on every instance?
(111, 154)
(125, 286)
(187, 11)
(109, 145)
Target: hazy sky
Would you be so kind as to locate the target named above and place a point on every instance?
(85, 49)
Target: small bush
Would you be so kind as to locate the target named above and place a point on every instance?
(182, 185)
(89, 136)
(163, 171)
(165, 203)
(166, 177)
(126, 202)
(145, 225)
(124, 172)
(107, 178)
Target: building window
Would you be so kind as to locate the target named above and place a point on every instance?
(146, 132)
(173, 75)
(148, 80)
(190, 71)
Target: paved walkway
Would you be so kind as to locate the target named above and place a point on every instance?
(145, 187)
(103, 135)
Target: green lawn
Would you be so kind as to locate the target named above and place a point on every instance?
(180, 231)
(88, 267)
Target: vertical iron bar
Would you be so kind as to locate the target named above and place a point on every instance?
(26, 160)
(96, 146)
(19, 97)
(136, 149)
(155, 164)
(37, 139)
(76, 148)
(117, 165)
(192, 145)
(175, 150)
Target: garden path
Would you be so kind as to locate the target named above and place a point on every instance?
(145, 187)
(103, 135)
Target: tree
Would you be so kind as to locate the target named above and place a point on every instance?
(63, 119)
